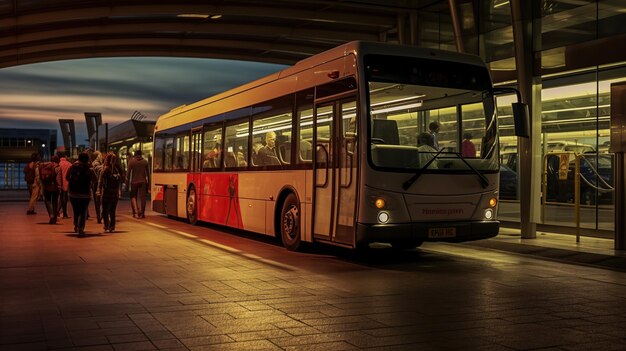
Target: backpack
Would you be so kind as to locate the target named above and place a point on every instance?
(47, 175)
(80, 181)
(29, 174)
(112, 180)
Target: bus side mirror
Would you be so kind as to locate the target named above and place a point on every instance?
(520, 119)
(520, 111)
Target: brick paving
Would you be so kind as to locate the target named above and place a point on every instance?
(161, 284)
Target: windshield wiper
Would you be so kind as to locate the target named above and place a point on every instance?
(484, 182)
(407, 184)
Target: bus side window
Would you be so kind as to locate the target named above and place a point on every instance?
(273, 124)
(212, 149)
(169, 150)
(304, 126)
(236, 145)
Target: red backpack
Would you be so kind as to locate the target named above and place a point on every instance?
(47, 174)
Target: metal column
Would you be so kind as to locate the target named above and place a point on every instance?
(521, 13)
(618, 146)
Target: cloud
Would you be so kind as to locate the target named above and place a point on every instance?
(36, 96)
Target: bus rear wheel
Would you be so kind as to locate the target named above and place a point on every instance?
(290, 223)
(192, 206)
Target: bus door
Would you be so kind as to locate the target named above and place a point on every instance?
(195, 165)
(335, 170)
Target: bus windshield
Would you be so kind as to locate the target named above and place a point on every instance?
(423, 110)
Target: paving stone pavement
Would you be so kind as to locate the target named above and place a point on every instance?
(161, 284)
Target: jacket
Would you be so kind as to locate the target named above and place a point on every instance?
(65, 166)
(80, 177)
(137, 170)
(110, 181)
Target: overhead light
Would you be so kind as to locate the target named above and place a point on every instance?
(215, 16)
(503, 3)
(193, 15)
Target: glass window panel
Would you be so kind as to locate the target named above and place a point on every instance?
(181, 153)
(272, 128)
(159, 148)
(473, 124)
(567, 22)
(611, 17)
(305, 126)
(435, 28)
(236, 145)
(212, 149)
(169, 151)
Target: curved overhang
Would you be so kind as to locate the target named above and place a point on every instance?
(273, 31)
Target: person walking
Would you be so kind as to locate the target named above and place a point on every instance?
(80, 177)
(50, 182)
(109, 183)
(138, 180)
(30, 175)
(97, 165)
(65, 165)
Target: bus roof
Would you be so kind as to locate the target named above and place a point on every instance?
(356, 48)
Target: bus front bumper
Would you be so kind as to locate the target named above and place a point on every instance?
(420, 232)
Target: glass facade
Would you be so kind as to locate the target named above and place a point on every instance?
(578, 53)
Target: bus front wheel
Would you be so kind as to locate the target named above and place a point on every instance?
(290, 223)
(192, 206)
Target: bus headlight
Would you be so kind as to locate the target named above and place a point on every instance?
(383, 217)
(489, 213)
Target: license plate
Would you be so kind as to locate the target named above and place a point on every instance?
(436, 233)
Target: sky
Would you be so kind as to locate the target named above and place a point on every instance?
(38, 95)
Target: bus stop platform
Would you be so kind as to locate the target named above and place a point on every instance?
(591, 251)
(160, 284)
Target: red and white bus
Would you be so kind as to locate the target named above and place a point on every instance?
(337, 149)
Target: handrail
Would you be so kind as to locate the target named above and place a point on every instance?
(608, 188)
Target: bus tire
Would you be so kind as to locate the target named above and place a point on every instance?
(192, 206)
(290, 223)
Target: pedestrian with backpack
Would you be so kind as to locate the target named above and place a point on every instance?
(30, 176)
(109, 184)
(80, 177)
(50, 179)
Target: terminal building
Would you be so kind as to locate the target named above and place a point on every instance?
(16, 147)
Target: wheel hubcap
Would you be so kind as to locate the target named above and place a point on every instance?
(191, 203)
(290, 222)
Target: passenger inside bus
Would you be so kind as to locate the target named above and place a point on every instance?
(267, 154)
(230, 160)
(213, 157)
(426, 149)
(255, 153)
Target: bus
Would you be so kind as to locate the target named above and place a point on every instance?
(337, 149)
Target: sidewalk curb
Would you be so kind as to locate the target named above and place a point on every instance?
(616, 263)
